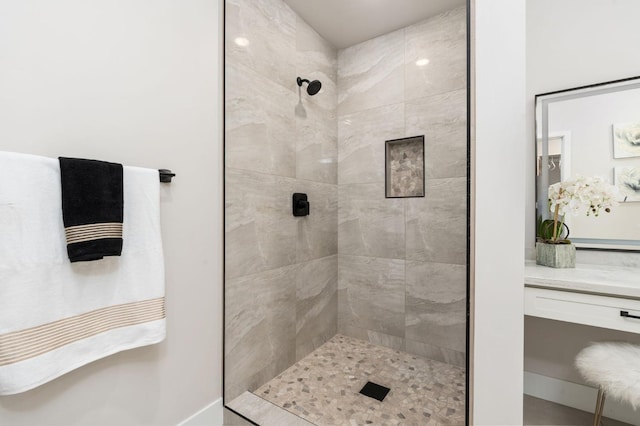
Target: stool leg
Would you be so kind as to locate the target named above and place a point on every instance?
(597, 416)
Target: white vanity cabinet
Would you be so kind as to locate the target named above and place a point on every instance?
(595, 295)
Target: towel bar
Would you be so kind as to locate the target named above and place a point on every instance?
(166, 175)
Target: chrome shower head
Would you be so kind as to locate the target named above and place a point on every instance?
(313, 87)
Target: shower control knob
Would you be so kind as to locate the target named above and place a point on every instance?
(300, 204)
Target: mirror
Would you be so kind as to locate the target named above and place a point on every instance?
(593, 131)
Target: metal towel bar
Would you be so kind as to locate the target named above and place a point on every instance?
(166, 175)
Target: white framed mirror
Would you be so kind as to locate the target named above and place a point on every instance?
(593, 131)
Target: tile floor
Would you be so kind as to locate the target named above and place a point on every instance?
(324, 387)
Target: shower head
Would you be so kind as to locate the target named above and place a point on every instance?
(313, 87)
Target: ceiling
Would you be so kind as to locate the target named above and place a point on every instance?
(347, 22)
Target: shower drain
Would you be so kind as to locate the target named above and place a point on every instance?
(375, 391)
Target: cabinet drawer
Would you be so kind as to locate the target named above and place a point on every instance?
(588, 309)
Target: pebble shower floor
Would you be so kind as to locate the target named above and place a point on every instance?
(324, 387)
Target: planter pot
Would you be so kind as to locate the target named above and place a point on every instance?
(556, 255)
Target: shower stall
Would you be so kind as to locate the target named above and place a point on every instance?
(345, 304)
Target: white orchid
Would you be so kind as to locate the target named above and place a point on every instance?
(580, 195)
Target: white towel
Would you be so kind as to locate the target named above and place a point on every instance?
(56, 316)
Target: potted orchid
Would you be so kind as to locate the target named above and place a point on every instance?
(580, 195)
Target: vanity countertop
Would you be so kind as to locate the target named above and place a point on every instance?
(620, 281)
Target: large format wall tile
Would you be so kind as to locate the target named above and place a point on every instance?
(448, 356)
(316, 129)
(372, 292)
(361, 145)
(260, 231)
(259, 123)
(371, 74)
(374, 337)
(285, 295)
(316, 304)
(317, 234)
(436, 225)
(370, 224)
(436, 304)
(316, 59)
(376, 103)
(442, 41)
(260, 328)
(317, 146)
(269, 26)
(443, 121)
(278, 141)
(315, 52)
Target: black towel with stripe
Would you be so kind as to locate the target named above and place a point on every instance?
(92, 208)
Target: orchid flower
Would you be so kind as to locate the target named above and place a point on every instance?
(580, 195)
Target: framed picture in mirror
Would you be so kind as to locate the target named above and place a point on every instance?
(627, 179)
(626, 140)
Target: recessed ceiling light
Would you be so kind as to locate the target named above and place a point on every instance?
(422, 62)
(241, 41)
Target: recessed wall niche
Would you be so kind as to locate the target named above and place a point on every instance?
(404, 167)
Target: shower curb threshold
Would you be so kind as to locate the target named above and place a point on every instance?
(263, 412)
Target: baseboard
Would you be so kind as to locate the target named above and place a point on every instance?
(211, 415)
(577, 396)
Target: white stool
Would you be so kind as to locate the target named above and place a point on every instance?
(613, 367)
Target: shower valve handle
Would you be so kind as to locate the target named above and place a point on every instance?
(300, 204)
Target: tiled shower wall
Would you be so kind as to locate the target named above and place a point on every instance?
(402, 273)
(399, 278)
(281, 271)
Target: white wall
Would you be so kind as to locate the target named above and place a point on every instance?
(137, 82)
(572, 43)
(498, 204)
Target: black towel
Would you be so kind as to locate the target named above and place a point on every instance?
(92, 202)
